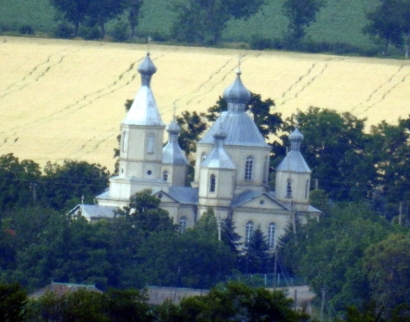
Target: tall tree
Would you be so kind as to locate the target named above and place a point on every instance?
(301, 14)
(133, 12)
(203, 21)
(387, 267)
(101, 11)
(74, 11)
(385, 23)
(192, 126)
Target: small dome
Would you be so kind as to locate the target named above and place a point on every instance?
(147, 67)
(220, 134)
(237, 92)
(173, 127)
(296, 135)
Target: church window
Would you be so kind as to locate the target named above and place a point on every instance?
(151, 143)
(165, 175)
(203, 157)
(248, 232)
(182, 224)
(288, 189)
(124, 141)
(265, 170)
(212, 183)
(149, 172)
(248, 168)
(307, 189)
(271, 235)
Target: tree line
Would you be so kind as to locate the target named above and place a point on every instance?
(203, 22)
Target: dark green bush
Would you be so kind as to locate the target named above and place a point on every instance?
(90, 33)
(64, 30)
(26, 30)
(120, 31)
(260, 43)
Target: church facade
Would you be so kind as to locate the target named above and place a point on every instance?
(231, 168)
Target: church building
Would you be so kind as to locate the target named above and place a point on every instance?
(231, 168)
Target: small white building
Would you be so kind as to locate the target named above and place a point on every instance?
(231, 169)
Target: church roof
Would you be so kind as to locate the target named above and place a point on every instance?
(184, 195)
(239, 127)
(249, 195)
(218, 158)
(144, 110)
(172, 153)
(240, 130)
(294, 161)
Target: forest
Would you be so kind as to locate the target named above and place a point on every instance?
(360, 182)
(365, 27)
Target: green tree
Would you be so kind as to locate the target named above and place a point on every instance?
(74, 11)
(384, 24)
(301, 14)
(336, 149)
(99, 12)
(192, 126)
(255, 257)
(64, 185)
(133, 12)
(236, 302)
(330, 253)
(387, 267)
(12, 301)
(203, 21)
(18, 179)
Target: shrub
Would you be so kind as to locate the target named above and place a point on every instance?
(90, 33)
(260, 43)
(120, 31)
(26, 30)
(64, 30)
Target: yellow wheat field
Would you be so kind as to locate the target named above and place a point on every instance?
(64, 99)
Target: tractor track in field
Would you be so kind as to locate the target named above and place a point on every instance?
(124, 78)
(97, 145)
(304, 81)
(390, 81)
(38, 72)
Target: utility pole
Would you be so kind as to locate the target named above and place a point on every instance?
(322, 306)
(400, 213)
(275, 268)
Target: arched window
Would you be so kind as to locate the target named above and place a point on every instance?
(248, 168)
(212, 183)
(203, 157)
(271, 235)
(307, 189)
(165, 175)
(288, 189)
(151, 144)
(182, 224)
(124, 141)
(248, 232)
(265, 170)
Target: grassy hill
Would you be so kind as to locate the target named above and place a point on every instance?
(338, 22)
(65, 99)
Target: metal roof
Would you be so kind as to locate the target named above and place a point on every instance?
(172, 153)
(240, 128)
(144, 110)
(248, 195)
(218, 158)
(294, 162)
(184, 195)
(237, 93)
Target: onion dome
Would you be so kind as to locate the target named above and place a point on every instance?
(218, 158)
(147, 69)
(173, 127)
(295, 138)
(237, 95)
(172, 153)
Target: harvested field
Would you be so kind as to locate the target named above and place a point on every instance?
(64, 99)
